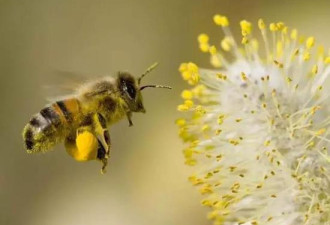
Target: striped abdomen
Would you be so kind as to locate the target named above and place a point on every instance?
(50, 125)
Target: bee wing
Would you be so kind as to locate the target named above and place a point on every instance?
(61, 84)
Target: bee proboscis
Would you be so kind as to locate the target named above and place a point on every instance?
(82, 120)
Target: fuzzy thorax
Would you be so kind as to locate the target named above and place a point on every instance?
(257, 127)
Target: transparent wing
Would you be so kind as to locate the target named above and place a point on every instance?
(61, 84)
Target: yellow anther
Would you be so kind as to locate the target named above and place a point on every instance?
(280, 25)
(226, 44)
(200, 109)
(198, 90)
(204, 47)
(273, 27)
(215, 61)
(183, 67)
(213, 50)
(320, 132)
(218, 131)
(306, 56)
(267, 143)
(238, 120)
(180, 122)
(203, 38)
(192, 67)
(289, 80)
(243, 76)
(327, 60)
(205, 128)
(285, 30)
(246, 27)
(279, 64)
(261, 24)
(186, 94)
(233, 142)
(221, 20)
(221, 76)
(245, 40)
(294, 34)
(188, 103)
(182, 108)
(315, 69)
(310, 42)
(186, 75)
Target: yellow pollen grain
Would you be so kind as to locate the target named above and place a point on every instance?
(186, 94)
(186, 75)
(188, 103)
(182, 108)
(203, 38)
(221, 20)
(246, 27)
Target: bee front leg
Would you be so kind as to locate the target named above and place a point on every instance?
(103, 136)
(129, 117)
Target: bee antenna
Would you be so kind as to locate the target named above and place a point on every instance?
(155, 86)
(150, 68)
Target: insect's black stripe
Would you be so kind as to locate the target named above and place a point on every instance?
(50, 115)
(64, 110)
(35, 122)
(28, 137)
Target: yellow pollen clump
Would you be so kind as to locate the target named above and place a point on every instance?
(221, 20)
(190, 72)
(87, 145)
(246, 27)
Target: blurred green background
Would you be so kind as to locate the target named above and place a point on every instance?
(146, 181)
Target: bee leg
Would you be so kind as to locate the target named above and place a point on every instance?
(102, 134)
(129, 117)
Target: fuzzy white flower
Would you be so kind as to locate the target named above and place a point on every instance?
(257, 127)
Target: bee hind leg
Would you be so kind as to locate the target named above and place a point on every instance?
(103, 137)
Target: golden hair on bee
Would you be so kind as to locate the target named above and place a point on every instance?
(82, 120)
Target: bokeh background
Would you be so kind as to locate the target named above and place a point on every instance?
(146, 181)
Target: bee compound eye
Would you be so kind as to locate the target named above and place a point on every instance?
(131, 90)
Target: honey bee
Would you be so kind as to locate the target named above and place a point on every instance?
(82, 120)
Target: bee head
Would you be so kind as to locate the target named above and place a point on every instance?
(130, 92)
(130, 89)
